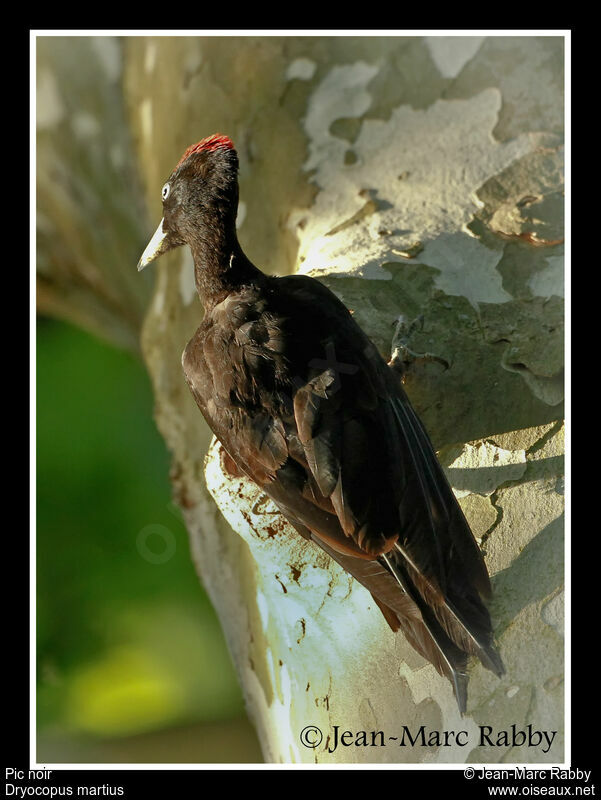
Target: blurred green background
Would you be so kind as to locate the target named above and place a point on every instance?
(131, 662)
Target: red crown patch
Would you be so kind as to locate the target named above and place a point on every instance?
(213, 142)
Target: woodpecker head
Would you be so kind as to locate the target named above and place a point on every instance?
(200, 197)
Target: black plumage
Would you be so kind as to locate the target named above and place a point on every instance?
(306, 407)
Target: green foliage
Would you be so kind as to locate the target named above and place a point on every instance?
(127, 640)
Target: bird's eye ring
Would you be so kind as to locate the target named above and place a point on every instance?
(165, 191)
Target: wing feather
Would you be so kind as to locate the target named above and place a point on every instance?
(337, 445)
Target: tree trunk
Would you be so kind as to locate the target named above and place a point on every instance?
(417, 177)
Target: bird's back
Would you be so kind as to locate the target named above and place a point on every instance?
(305, 405)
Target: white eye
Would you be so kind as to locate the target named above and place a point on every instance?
(165, 191)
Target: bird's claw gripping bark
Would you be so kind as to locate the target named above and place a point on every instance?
(402, 355)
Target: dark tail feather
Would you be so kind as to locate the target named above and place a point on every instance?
(430, 639)
(389, 579)
(465, 619)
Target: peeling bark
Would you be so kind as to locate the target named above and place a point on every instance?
(415, 177)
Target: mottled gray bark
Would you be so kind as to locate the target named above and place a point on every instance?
(415, 176)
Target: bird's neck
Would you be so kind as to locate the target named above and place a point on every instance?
(220, 267)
